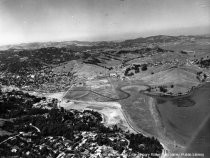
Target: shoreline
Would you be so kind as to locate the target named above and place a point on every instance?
(189, 92)
(151, 103)
(168, 144)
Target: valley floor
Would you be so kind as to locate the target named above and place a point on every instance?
(118, 112)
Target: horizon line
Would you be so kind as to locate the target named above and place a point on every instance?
(117, 40)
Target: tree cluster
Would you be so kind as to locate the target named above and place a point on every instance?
(163, 89)
(204, 63)
(139, 143)
(16, 103)
(136, 68)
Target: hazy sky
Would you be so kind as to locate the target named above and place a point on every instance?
(51, 20)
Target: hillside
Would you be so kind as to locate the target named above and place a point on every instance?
(181, 80)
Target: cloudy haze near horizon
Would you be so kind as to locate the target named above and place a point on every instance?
(57, 20)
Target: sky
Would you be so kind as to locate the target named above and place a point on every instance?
(23, 21)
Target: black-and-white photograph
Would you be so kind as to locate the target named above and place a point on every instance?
(105, 78)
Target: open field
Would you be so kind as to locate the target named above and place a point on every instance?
(134, 105)
(101, 95)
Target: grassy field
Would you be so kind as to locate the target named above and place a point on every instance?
(182, 79)
(77, 93)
